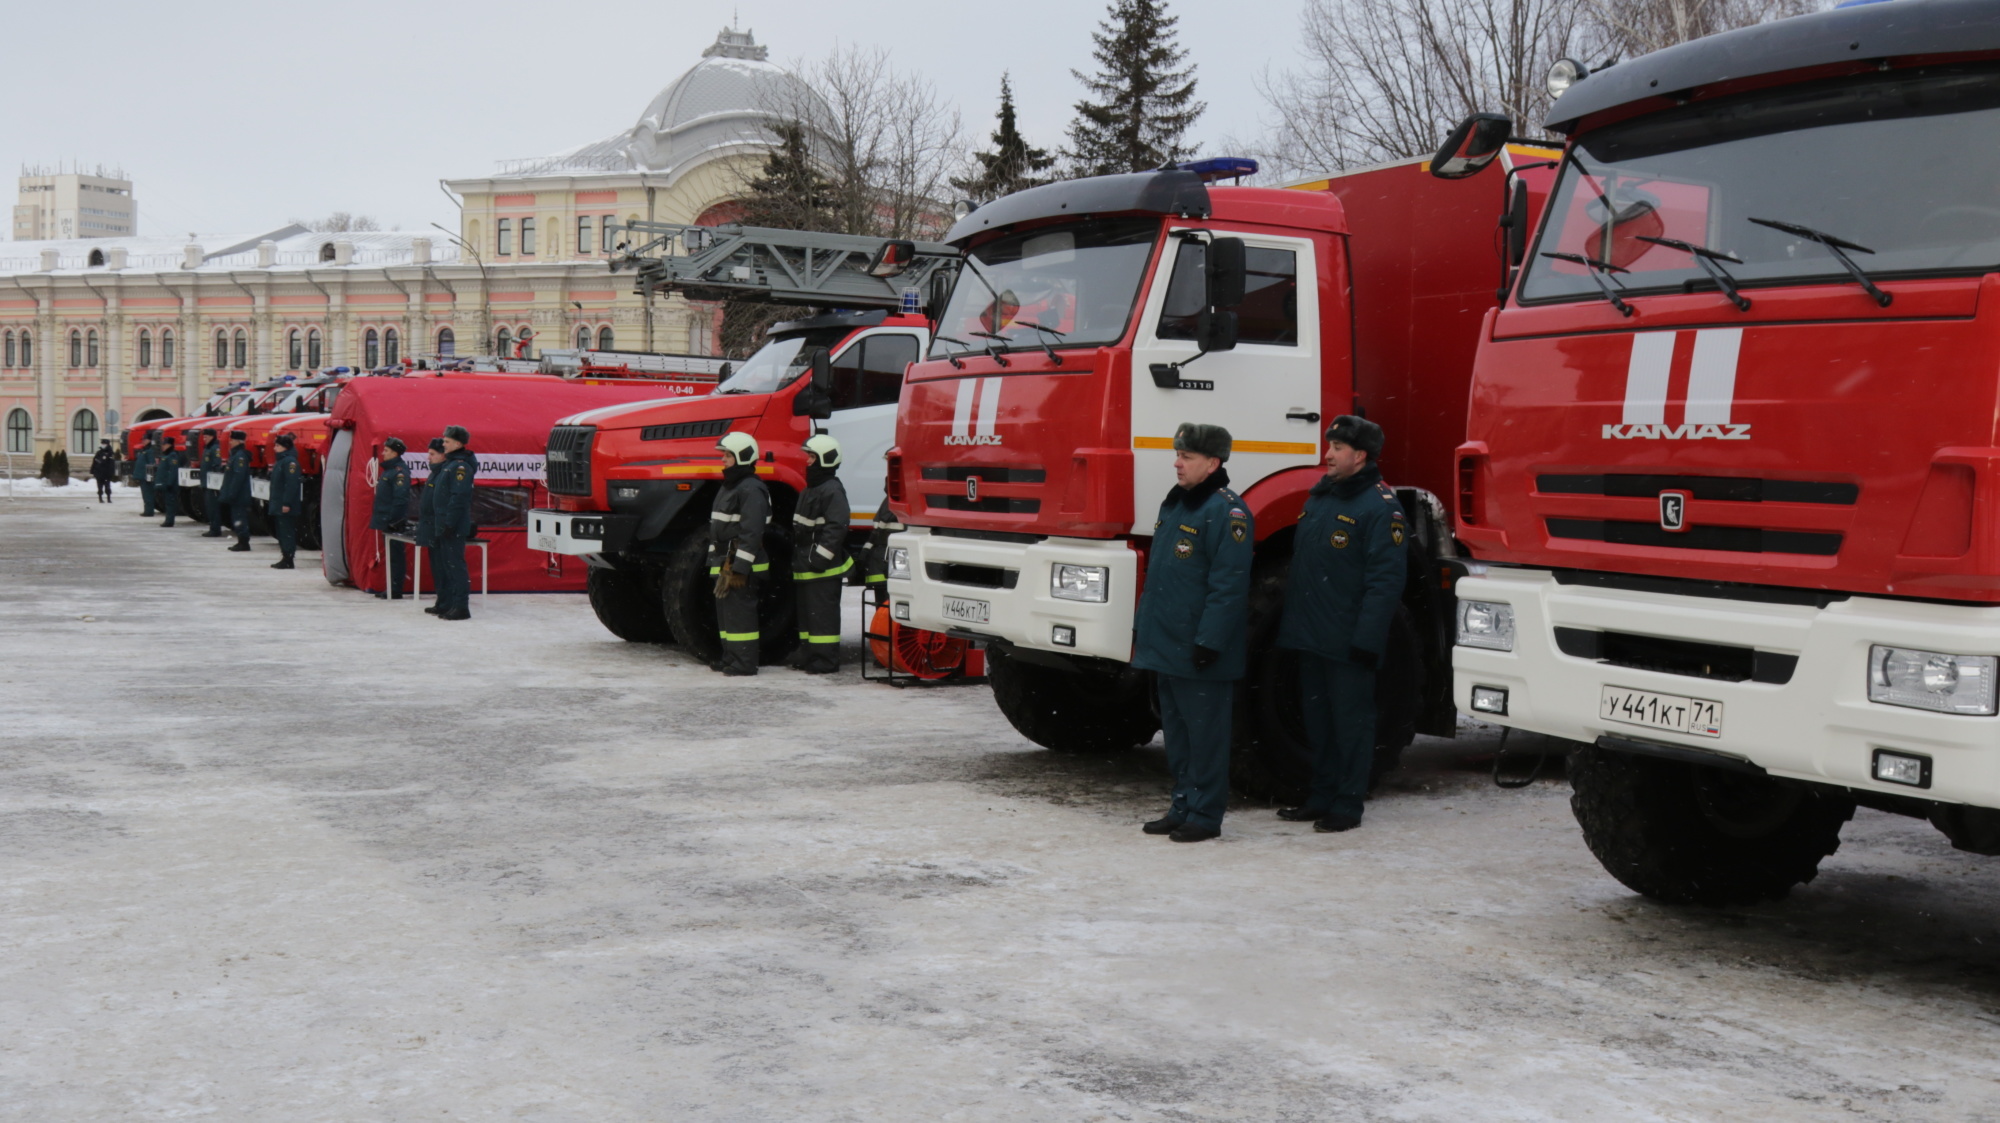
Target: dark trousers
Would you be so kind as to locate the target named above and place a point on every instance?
(239, 520)
(1194, 717)
(399, 568)
(453, 582)
(288, 533)
(146, 498)
(819, 623)
(168, 499)
(1338, 699)
(212, 506)
(736, 621)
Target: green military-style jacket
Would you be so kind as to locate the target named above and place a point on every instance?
(1197, 590)
(1348, 566)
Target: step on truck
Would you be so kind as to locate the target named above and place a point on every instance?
(631, 485)
(1090, 319)
(1731, 481)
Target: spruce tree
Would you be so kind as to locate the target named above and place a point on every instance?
(1013, 165)
(790, 194)
(1141, 100)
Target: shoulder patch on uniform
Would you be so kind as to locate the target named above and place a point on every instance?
(1396, 534)
(1238, 529)
(1238, 513)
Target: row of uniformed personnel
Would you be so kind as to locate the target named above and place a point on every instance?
(157, 466)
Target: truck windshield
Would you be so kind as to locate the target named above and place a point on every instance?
(779, 362)
(1072, 285)
(1899, 162)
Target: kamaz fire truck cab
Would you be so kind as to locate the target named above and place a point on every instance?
(1733, 470)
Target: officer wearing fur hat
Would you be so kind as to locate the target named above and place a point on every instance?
(211, 481)
(392, 509)
(143, 464)
(235, 493)
(452, 510)
(1346, 580)
(426, 534)
(288, 499)
(167, 479)
(736, 558)
(819, 556)
(1192, 627)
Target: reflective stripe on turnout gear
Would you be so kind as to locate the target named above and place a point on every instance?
(804, 521)
(810, 638)
(733, 637)
(725, 516)
(836, 571)
(758, 568)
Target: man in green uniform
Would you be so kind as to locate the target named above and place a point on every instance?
(819, 556)
(288, 500)
(211, 481)
(1346, 581)
(736, 558)
(392, 509)
(454, 479)
(1192, 627)
(235, 492)
(426, 534)
(167, 480)
(143, 464)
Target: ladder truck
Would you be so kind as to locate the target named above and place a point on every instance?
(630, 486)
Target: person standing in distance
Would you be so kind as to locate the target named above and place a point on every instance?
(235, 493)
(454, 480)
(1193, 625)
(167, 480)
(736, 553)
(104, 469)
(392, 509)
(211, 482)
(143, 464)
(426, 534)
(288, 500)
(1346, 580)
(819, 556)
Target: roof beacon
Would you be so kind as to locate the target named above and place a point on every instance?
(1220, 167)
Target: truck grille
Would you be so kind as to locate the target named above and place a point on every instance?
(984, 576)
(569, 459)
(1737, 539)
(681, 430)
(987, 504)
(957, 473)
(1738, 489)
(1721, 662)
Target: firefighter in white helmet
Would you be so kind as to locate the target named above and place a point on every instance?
(819, 556)
(736, 558)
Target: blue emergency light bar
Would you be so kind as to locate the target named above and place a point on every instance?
(1220, 167)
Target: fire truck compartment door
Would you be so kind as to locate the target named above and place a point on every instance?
(333, 507)
(1273, 371)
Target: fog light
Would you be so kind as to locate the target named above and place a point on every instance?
(1062, 635)
(1489, 700)
(1484, 624)
(1902, 768)
(899, 566)
(625, 492)
(1931, 680)
(900, 610)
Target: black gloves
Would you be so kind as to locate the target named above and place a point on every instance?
(1205, 657)
(1361, 656)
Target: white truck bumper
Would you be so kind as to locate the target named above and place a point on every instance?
(1818, 724)
(963, 584)
(576, 533)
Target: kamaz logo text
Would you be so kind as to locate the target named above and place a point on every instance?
(1711, 389)
(975, 439)
(978, 397)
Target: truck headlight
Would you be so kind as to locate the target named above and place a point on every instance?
(1080, 582)
(1486, 624)
(899, 564)
(1931, 680)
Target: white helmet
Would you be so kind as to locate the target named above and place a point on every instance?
(824, 450)
(741, 448)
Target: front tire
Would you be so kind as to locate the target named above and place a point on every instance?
(1070, 712)
(629, 604)
(1689, 835)
(687, 599)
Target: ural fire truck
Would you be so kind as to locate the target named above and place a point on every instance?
(632, 484)
(1090, 319)
(1732, 475)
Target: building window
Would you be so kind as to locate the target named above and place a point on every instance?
(20, 431)
(392, 349)
(295, 350)
(9, 352)
(221, 350)
(447, 342)
(27, 350)
(605, 339)
(145, 348)
(90, 349)
(582, 338)
(371, 350)
(527, 235)
(166, 348)
(583, 233)
(83, 431)
(504, 231)
(608, 237)
(96, 256)
(326, 251)
(242, 349)
(505, 342)
(76, 349)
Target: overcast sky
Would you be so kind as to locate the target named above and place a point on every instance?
(234, 115)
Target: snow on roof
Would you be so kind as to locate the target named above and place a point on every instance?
(295, 249)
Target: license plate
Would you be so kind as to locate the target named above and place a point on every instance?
(260, 489)
(190, 477)
(1697, 717)
(968, 611)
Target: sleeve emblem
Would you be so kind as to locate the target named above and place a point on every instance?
(1396, 534)
(1238, 529)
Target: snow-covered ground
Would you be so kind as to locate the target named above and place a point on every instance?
(38, 488)
(279, 851)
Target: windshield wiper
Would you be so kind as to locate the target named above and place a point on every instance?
(956, 362)
(1708, 259)
(1834, 246)
(1597, 269)
(1054, 359)
(993, 352)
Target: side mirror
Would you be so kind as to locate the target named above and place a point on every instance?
(1228, 275)
(815, 398)
(939, 296)
(1215, 330)
(1516, 223)
(1472, 145)
(892, 259)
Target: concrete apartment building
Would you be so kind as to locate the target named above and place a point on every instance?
(57, 205)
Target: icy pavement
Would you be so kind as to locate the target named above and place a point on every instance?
(279, 851)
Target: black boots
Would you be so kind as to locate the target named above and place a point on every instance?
(283, 563)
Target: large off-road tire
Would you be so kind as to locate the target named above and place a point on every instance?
(628, 603)
(1071, 712)
(1272, 758)
(687, 598)
(1691, 835)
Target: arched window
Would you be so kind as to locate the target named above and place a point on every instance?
(90, 349)
(166, 348)
(295, 350)
(145, 348)
(583, 233)
(447, 342)
(313, 356)
(392, 346)
(83, 431)
(504, 233)
(242, 349)
(527, 235)
(583, 337)
(505, 343)
(371, 350)
(605, 339)
(76, 348)
(9, 353)
(326, 251)
(20, 431)
(96, 258)
(221, 349)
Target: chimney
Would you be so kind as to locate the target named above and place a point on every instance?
(115, 257)
(343, 252)
(420, 251)
(191, 256)
(267, 254)
(49, 257)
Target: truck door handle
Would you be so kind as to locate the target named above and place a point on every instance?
(1301, 415)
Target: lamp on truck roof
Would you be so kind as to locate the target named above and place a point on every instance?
(1220, 167)
(1565, 72)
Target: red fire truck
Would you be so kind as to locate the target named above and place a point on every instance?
(1093, 317)
(1730, 476)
